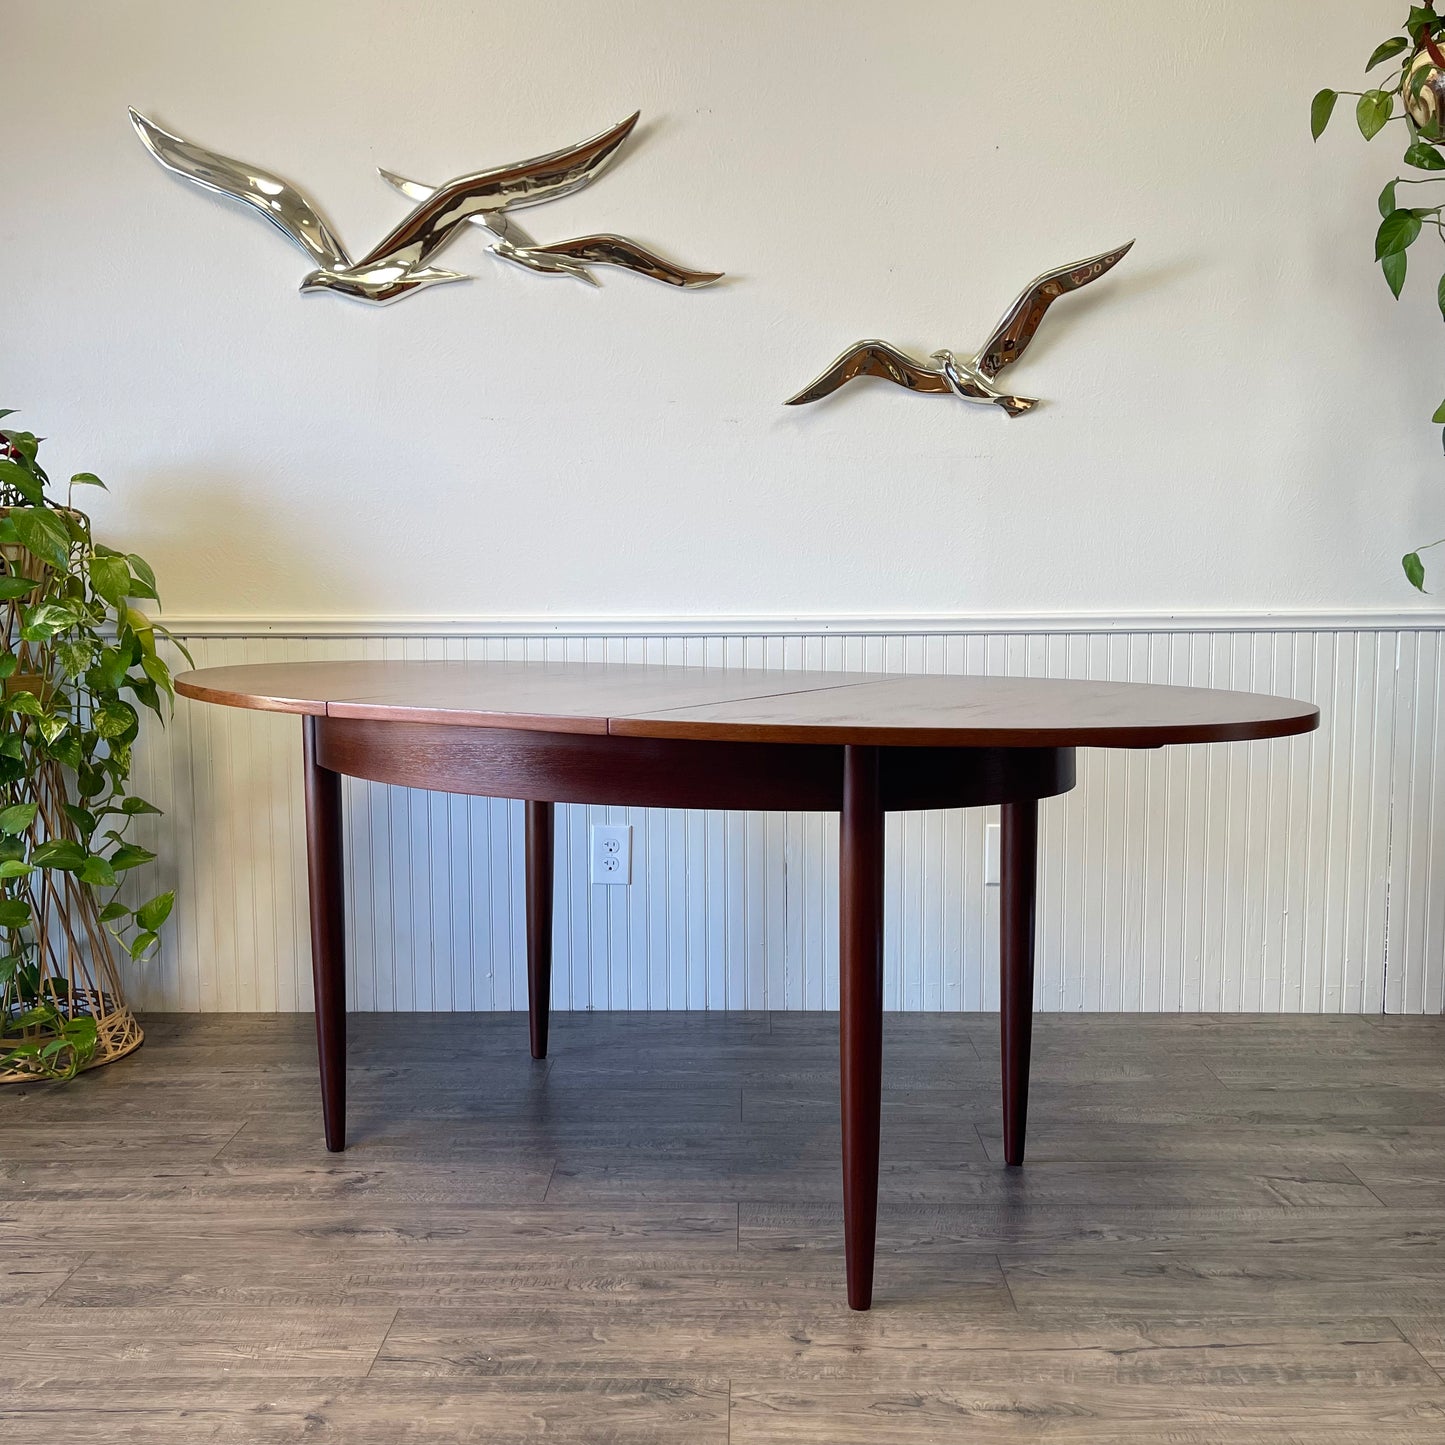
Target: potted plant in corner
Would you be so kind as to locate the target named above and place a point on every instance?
(77, 659)
(1415, 80)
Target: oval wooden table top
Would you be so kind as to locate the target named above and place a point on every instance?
(757, 705)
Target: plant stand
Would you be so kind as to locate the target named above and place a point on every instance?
(74, 954)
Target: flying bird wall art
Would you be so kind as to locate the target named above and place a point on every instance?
(402, 261)
(973, 379)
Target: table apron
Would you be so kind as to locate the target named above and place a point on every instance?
(676, 773)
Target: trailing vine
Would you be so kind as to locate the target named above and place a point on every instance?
(77, 663)
(1418, 87)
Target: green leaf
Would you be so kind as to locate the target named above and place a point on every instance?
(113, 719)
(63, 853)
(151, 915)
(176, 643)
(110, 577)
(66, 748)
(142, 944)
(158, 673)
(1372, 112)
(1398, 230)
(142, 570)
(24, 442)
(42, 533)
(75, 655)
(15, 819)
(42, 1014)
(145, 634)
(81, 1031)
(1424, 157)
(112, 911)
(1414, 570)
(1387, 49)
(1322, 107)
(130, 855)
(1440, 295)
(1439, 416)
(146, 694)
(14, 913)
(16, 587)
(85, 822)
(8, 661)
(97, 872)
(43, 621)
(26, 704)
(22, 480)
(87, 479)
(1421, 15)
(1393, 266)
(108, 674)
(132, 806)
(1387, 197)
(15, 868)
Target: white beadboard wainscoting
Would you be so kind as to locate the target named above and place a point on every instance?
(1295, 875)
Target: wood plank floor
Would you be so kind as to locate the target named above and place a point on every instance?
(1229, 1232)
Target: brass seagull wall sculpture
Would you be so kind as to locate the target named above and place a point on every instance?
(401, 262)
(972, 379)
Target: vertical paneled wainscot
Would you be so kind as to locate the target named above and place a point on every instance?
(1297, 876)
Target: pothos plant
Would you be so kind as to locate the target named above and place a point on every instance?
(77, 662)
(1415, 82)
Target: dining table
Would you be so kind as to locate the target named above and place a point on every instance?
(859, 744)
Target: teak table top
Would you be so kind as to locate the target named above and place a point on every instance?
(757, 705)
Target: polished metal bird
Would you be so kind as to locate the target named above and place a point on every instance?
(401, 262)
(567, 258)
(971, 379)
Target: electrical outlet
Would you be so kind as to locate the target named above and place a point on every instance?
(990, 855)
(612, 852)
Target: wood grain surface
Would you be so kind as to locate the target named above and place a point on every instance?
(752, 705)
(572, 767)
(1227, 1242)
(557, 697)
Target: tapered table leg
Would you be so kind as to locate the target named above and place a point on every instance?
(540, 832)
(328, 934)
(1018, 877)
(860, 947)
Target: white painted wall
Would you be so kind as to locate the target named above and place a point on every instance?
(1236, 424)
(1238, 416)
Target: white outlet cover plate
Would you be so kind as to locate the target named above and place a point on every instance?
(611, 853)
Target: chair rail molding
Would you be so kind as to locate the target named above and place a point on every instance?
(827, 624)
(1298, 875)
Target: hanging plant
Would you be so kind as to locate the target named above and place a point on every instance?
(1418, 87)
(78, 662)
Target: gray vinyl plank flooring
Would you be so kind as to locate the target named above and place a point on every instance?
(1230, 1231)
